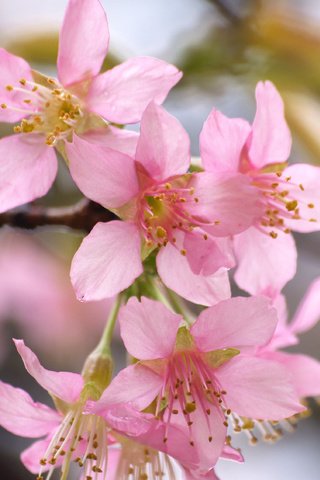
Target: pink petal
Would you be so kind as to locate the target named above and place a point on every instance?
(221, 142)
(20, 415)
(205, 257)
(27, 169)
(121, 94)
(219, 197)
(175, 272)
(230, 453)
(264, 262)
(194, 475)
(142, 386)
(304, 371)
(308, 199)
(103, 175)
(119, 139)
(65, 385)
(107, 262)
(164, 146)
(258, 388)
(84, 39)
(148, 329)
(308, 313)
(127, 420)
(271, 139)
(32, 455)
(237, 322)
(12, 69)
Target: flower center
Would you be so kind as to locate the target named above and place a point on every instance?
(80, 438)
(163, 209)
(138, 462)
(283, 202)
(49, 109)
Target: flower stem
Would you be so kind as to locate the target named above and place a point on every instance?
(105, 341)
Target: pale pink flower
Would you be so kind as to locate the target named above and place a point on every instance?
(52, 111)
(290, 195)
(199, 377)
(69, 434)
(304, 370)
(37, 296)
(186, 216)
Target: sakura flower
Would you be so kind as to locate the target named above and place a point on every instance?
(304, 370)
(289, 194)
(183, 217)
(81, 102)
(69, 434)
(198, 377)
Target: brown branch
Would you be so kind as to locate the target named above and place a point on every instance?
(81, 216)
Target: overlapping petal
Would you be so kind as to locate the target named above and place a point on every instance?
(121, 94)
(28, 168)
(237, 322)
(148, 328)
(107, 262)
(119, 139)
(111, 179)
(64, 385)
(308, 312)
(84, 39)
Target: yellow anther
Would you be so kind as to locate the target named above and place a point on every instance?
(23, 81)
(291, 205)
(190, 407)
(27, 101)
(4, 106)
(205, 236)
(313, 220)
(273, 234)
(183, 252)
(301, 187)
(274, 185)
(310, 205)
(9, 88)
(168, 186)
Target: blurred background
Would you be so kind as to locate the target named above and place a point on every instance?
(223, 47)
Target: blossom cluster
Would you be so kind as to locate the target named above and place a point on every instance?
(191, 383)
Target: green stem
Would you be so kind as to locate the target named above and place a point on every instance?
(105, 341)
(172, 301)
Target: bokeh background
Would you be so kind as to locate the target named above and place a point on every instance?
(224, 47)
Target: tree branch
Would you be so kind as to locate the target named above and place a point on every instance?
(81, 216)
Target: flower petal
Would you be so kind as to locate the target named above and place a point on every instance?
(228, 201)
(271, 138)
(206, 256)
(164, 146)
(84, 39)
(119, 139)
(148, 329)
(121, 94)
(13, 69)
(307, 195)
(308, 313)
(258, 388)
(27, 169)
(264, 263)
(142, 386)
(237, 322)
(175, 272)
(102, 174)
(64, 385)
(304, 371)
(107, 262)
(20, 415)
(221, 142)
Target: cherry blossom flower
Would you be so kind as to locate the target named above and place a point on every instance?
(81, 102)
(35, 285)
(186, 217)
(289, 193)
(304, 370)
(69, 434)
(202, 377)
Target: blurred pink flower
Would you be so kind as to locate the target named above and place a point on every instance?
(186, 215)
(70, 435)
(37, 296)
(51, 111)
(290, 195)
(196, 378)
(304, 370)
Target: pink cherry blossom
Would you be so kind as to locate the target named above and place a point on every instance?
(35, 285)
(289, 194)
(304, 370)
(199, 377)
(69, 434)
(50, 111)
(186, 216)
